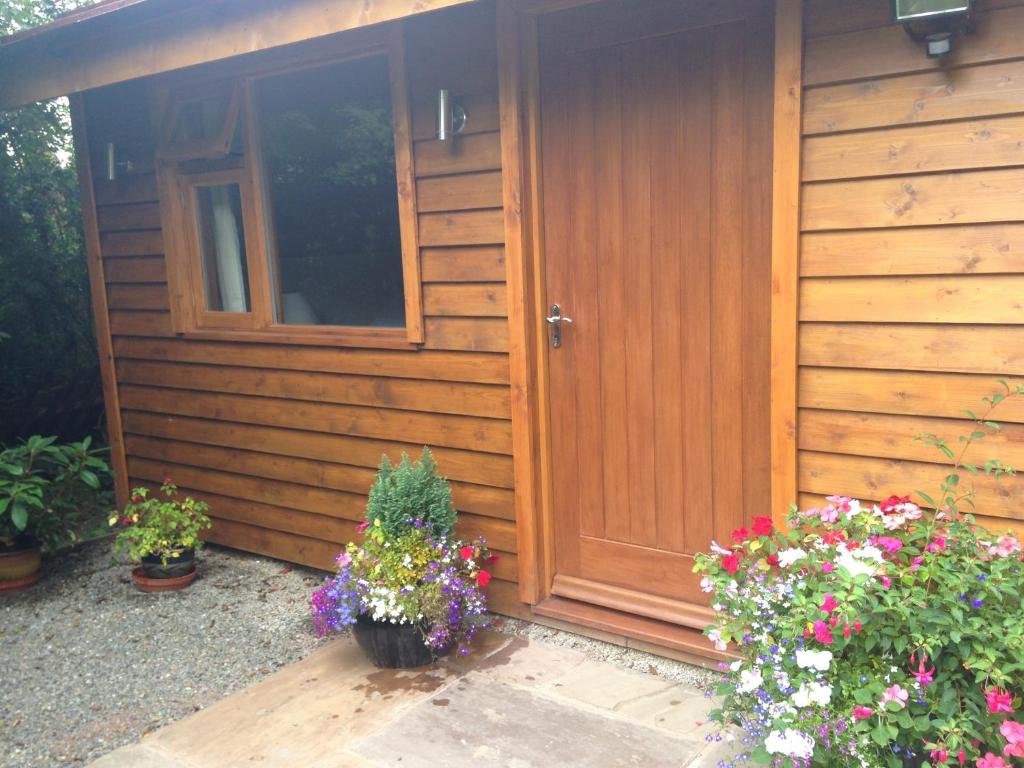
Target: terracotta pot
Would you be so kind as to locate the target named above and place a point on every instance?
(185, 563)
(392, 646)
(146, 584)
(20, 568)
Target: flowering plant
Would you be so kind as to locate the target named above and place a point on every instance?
(409, 572)
(164, 525)
(876, 635)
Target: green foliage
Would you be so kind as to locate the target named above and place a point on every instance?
(411, 491)
(44, 293)
(46, 488)
(163, 525)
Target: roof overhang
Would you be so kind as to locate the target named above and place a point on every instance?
(120, 40)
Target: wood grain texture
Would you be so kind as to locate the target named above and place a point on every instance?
(912, 257)
(953, 250)
(975, 299)
(971, 92)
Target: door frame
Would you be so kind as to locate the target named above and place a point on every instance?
(519, 120)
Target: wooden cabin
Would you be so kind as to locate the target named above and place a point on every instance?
(781, 239)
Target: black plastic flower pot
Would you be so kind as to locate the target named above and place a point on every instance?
(392, 646)
(914, 760)
(176, 567)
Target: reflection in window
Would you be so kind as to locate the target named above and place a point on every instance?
(329, 156)
(222, 248)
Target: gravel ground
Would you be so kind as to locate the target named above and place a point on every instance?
(90, 664)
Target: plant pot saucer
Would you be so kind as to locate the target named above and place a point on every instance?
(15, 585)
(146, 584)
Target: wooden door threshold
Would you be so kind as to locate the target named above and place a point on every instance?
(658, 637)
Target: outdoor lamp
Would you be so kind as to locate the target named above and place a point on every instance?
(934, 22)
(116, 162)
(451, 117)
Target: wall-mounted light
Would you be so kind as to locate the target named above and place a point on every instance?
(936, 23)
(116, 162)
(451, 117)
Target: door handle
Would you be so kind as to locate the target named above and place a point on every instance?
(555, 321)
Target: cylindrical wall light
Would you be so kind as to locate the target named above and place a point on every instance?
(451, 117)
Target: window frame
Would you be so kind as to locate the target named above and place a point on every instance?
(178, 176)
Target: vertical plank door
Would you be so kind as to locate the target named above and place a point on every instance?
(655, 165)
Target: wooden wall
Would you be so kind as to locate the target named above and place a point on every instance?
(282, 440)
(912, 249)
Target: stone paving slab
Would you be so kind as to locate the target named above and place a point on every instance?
(513, 702)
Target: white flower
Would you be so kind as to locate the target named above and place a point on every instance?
(716, 640)
(859, 562)
(736, 666)
(789, 742)
(813, 693)
(707, 585)
(789, 556)
(750, 681)
(719, 550)
(819, 660)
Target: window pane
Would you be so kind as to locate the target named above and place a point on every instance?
(330, 177)
(222, 247)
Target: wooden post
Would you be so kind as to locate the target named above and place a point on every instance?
(528, 433)
(785, 253)
(98, 292)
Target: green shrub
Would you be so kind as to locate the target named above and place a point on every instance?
(411, 490)
(47, 489)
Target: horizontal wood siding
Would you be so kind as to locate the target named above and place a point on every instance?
(283, 440)
(912, 251)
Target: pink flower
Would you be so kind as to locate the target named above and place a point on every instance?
(924, 676)
(822, 633)
(343, 559)
(896, 694)
(938, 544)
(939, 756)
(916, 563)
(362, 526)
(992, 761)
(862, 713)
(856, 625)
(888, 543)
(999, 701)
(886, 582)
(829, 604)
(1006, 546)
(827, 567)
(1014, 735)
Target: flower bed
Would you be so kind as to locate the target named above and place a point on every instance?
(873, 635)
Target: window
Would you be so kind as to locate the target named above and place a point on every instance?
(286, 218)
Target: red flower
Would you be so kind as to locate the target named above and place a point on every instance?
(731, 563)
(491, 560)
(126, 520)
(483, 579)
(740, 535)
(829, 604)
(763, 526)
(772, 560)
(833, 537)
(846, 630)
(466, 552)
(168, 481)
(856, 626)
(893, 501)
(136, 499)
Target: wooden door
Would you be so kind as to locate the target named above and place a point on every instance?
(655, 167)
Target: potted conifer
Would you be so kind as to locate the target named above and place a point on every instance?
(411, 591)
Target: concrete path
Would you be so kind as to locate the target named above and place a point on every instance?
(513, 703)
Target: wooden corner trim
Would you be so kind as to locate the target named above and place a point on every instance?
(785, 253)
(98, 294)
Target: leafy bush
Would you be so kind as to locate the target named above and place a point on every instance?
(48, 488)
(164, 526)
(411, 491)
(871, 634)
